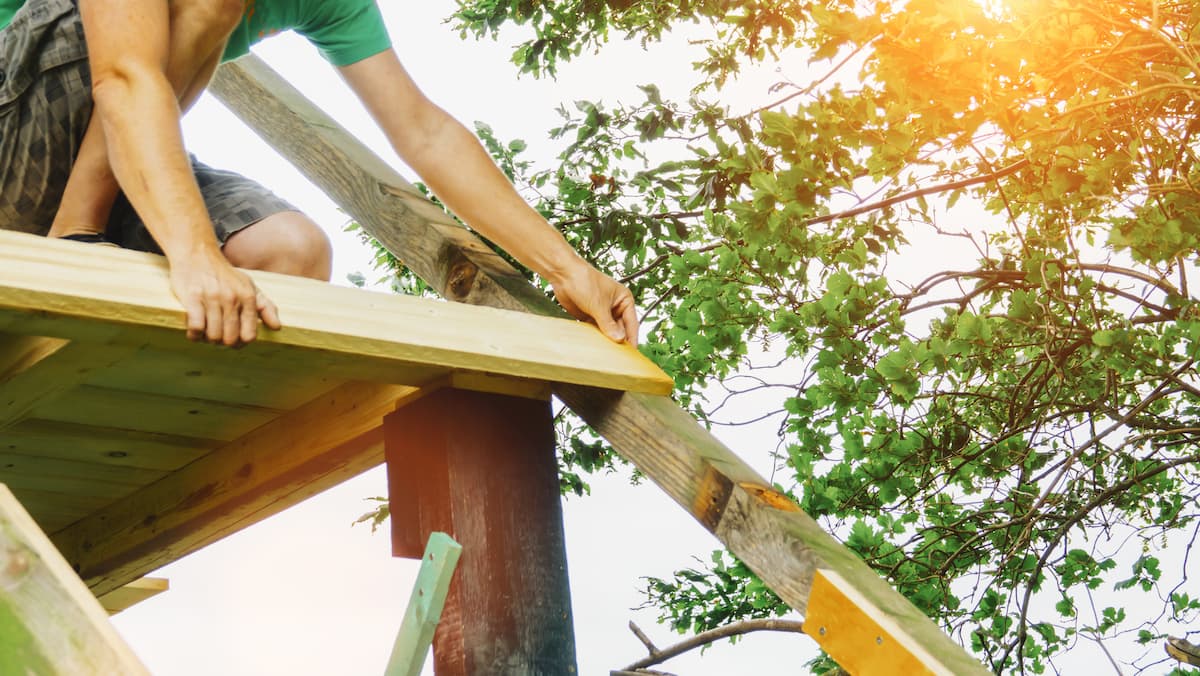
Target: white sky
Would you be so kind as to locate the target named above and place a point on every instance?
(304, 593)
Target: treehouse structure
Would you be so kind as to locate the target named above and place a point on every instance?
(130, 447)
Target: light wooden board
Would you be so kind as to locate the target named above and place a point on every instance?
(156, 414)
(49, 622)
(80, 286)
(174, 373)
(103, 444)
(783, 545)
(124, 598)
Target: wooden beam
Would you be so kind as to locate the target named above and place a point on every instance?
(425, 605)
(49, 623)
(766, 530)
(124, 598)
(315, 447)
(70, 290)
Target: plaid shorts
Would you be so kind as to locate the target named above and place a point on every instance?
(45, 106)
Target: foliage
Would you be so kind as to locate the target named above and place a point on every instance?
(958, 247)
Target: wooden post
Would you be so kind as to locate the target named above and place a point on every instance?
(482, 468)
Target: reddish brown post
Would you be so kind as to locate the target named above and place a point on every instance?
(482, 468)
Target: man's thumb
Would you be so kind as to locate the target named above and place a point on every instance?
(611, 328)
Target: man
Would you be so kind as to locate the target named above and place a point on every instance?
(122, 172)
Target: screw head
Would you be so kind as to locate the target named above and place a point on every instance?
(821, 631)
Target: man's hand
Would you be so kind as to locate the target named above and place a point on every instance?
(592, 296)
(222, 303)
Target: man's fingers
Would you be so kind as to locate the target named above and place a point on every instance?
(268, 311)
(213, 321)
(195, 319)
(611, 328)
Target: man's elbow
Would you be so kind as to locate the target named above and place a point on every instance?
(117, 85)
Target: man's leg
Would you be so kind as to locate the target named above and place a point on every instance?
(257, 229)
(287, 242)
(45, 104)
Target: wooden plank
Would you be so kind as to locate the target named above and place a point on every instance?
(493, 486)
(124, 598)
(14, 464)
(424, 606)
(103, 445)
(49, 623)
(295, 456)
(176, 373)
(79, 285)
(54, 511)
(35, 370)
(839, 618)
(156, 414)
(780, 543)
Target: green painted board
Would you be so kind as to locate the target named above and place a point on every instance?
(424, 606)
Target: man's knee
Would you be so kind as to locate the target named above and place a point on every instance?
(287, 242)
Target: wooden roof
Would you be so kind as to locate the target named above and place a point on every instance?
(118, 434)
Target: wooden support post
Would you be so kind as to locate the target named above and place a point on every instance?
(482, 468)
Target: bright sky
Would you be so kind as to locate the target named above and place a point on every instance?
(304, 593)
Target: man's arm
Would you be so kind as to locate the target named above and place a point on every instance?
(456, 167)
(129, 50)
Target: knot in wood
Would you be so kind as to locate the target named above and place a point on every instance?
(14, 567)
(461, 279)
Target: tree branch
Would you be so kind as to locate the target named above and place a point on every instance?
(701, 639)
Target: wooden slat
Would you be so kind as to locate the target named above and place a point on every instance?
(175, 373)
(103, 445)
(49, 623)
(314, 447)
(12, 464)
(425, 604)
(79, 286)
(138, 412)
(780, 543)
(36, 370)
(125, 597)
(840, 619)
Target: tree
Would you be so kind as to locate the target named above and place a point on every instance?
(960, 248)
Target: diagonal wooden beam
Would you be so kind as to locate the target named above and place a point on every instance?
(49, 623)
(763, 528)
(317, 446)
(35, 370)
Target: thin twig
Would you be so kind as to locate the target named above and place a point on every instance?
(704, 638)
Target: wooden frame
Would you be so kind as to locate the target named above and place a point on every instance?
(766, 530)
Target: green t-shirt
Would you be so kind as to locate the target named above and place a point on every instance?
(345, 31)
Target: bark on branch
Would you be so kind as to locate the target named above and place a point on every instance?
(658, 656)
